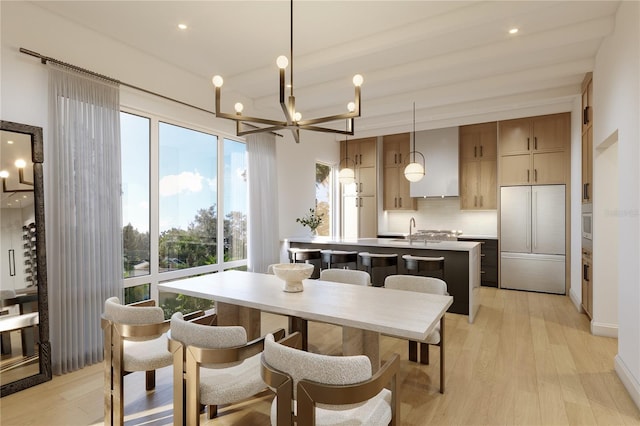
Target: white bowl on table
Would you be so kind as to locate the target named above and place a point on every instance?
(292, 274)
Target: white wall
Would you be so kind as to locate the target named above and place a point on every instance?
(297, 176)
(616, 270)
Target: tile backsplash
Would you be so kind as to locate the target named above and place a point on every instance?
(440, 213)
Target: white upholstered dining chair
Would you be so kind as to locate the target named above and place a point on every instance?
(217, 364)
(423, 285)
(347, 276)
(315, 389)
(134, 340)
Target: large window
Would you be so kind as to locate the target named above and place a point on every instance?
(184, 206)
(324, 197)
(235, 200)
(135, 193)
(187, 198)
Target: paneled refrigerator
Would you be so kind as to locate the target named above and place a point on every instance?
(532, 238)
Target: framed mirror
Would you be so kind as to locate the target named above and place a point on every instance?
(24, 315)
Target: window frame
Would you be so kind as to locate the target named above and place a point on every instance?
(155, 277)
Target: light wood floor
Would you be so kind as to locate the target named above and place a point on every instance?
(529, 359)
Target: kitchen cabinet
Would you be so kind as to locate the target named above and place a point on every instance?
(587, 139)
(533, 151)
(359, 199)
(587, 166)
(440, 149)
(478, 166)
(587, 284)
(488, 260)
(396, 188)
(361, 151)
(359, 218)
(587, 102)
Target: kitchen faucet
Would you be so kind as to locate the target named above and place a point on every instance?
(412, 220)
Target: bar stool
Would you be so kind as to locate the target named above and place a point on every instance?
(378, 260)
(339, 259)
(424, 266)
(307, 255)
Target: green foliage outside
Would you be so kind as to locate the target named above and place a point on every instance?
(187, 248)
(184, 248)
(184, 304)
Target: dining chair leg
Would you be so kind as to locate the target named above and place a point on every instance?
(424, 353)
(150, 379)
(212, 411)
(413, 351)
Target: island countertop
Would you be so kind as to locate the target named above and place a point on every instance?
(389, 242)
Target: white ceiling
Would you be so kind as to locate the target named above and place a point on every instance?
(454, 59)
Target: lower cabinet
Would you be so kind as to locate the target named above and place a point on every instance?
(587, 284)
(359, 217)
(488, 260)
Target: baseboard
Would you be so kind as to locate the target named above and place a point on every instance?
(604, 329)
(630, 383)
(577, 301)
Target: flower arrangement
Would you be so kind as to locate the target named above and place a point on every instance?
(311, 219)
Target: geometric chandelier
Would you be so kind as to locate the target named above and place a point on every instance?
(293, 121)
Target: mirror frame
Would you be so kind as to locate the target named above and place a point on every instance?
(44, 346)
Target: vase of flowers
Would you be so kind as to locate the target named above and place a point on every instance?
(312, 220)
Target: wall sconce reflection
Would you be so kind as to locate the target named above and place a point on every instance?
(4, 174)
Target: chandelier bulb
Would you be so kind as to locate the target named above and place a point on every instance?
(238, 107)
(217, 81)
(351, 106)
(297, 116)
(21, 164)
(282, 62)
(358, 80)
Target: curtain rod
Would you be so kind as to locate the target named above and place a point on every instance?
(45, 59)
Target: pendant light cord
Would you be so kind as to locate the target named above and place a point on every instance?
(291, 50)
(414, 132)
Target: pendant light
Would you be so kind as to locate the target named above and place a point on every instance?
(414, 171)
(346, 175)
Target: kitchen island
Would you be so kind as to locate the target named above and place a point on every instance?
(461, 271)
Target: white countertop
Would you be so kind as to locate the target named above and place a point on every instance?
(479, 236)
(390, 242)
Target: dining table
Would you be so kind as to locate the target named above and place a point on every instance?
(367, 312)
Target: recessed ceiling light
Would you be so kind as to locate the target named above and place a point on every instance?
(513, 31)
(10, 142)
(182, 26)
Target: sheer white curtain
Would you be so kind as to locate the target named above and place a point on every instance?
(84, 229)
(264, 236)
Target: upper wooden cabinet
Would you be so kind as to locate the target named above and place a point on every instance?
(533, 151)
(587, 139)
(478, 146)
(359, 202)
(587, 102)
(395, 149)
(396, 187)
(361, 151)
